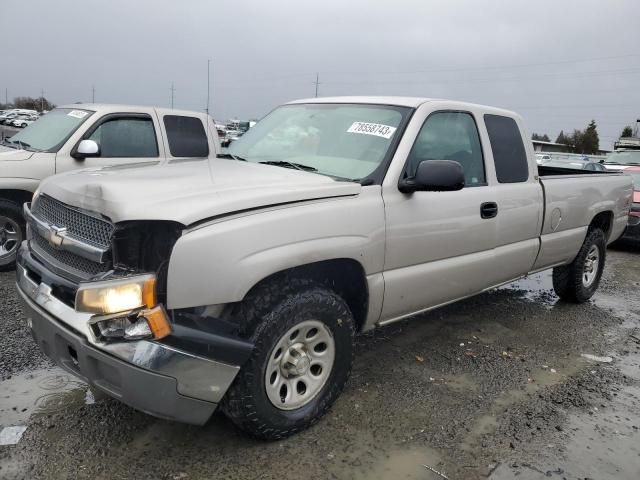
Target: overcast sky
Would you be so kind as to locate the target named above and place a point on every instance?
(559, 63)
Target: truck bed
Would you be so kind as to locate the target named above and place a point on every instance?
(571, 202)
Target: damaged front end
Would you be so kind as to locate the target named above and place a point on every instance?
(94, 294)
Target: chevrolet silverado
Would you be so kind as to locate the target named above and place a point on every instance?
(183, 285)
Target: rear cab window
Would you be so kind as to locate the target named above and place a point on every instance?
(186, 136)
(509, 154)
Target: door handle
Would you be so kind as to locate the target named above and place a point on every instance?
(489, 210)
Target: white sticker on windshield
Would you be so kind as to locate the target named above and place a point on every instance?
(77, 114)
(377, 129)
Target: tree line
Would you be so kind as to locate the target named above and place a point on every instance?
(29, 103)
(584, 141)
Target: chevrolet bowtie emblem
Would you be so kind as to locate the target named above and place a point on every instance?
(56, 236)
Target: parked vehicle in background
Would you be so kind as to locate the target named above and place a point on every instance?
(89, 135)
(242, 281)
(23, 120)
(575, 164)
(621, 159)
(542, 158)
(235, 129)
(9, 116)
(633, 228)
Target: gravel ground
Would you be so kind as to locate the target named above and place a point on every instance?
(18, 352)
(517, 399)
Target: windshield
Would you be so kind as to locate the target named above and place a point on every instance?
(347, 141)
(50, 131)
(624, 157)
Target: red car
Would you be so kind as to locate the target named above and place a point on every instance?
(633, 226)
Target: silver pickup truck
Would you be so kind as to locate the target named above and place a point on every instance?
(88, 135)
(240, 282)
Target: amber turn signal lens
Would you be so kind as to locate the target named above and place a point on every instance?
(158, 323)
(149, 292)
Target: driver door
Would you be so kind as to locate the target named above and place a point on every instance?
(439, 245)
(123, 138)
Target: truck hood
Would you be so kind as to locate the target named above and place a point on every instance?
(188, 191)
(8, 153)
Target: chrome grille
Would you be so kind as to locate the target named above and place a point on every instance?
(65, 261)
(80, 225)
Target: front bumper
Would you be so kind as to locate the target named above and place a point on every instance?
(152, 377)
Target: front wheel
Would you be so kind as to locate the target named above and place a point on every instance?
(578, 281)
(12, 232)
(300, 363)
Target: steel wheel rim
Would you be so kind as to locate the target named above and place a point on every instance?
(299, 365)
(591, 266)
(10, 239)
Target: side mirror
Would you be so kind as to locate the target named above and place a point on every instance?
(434, 176)
(86, 148)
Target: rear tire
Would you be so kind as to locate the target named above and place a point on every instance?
(12, 233)
(257, 402)
(578, 281)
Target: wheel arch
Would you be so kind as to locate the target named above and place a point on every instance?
(345, 276)
(603, 221)
(16, 195)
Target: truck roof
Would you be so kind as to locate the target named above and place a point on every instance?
(412, 102)
(114, 107)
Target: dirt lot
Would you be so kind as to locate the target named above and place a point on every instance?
(495, 386)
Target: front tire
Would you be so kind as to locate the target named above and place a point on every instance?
(12, 232)
(300, 363)
(578, 281)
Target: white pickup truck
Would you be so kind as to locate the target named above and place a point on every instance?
(89, 135)
(241, 281)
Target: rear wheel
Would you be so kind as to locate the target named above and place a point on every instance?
(578, 281)
(300, 363)
(12, 232)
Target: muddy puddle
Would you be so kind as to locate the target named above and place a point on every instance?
(39, 392)
(538, 287)
(406, 464)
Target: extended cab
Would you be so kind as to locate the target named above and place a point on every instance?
(241, 281)
(81, 136)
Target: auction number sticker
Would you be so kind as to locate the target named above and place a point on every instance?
(77, 114)
(377, 129)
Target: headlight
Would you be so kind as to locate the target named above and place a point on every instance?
(115, 296)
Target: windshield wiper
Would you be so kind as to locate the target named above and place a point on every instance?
(231, 155)
(8, 143)
(23, 145)
(283, 163)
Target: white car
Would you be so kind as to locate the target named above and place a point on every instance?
(22, 122)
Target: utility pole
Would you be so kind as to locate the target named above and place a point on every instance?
(208, 84)
(317, 82)
(172, 92)
(6, 96)
(42, 100)
(93, 94)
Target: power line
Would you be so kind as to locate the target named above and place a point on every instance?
(492, 67)
(279, 76)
